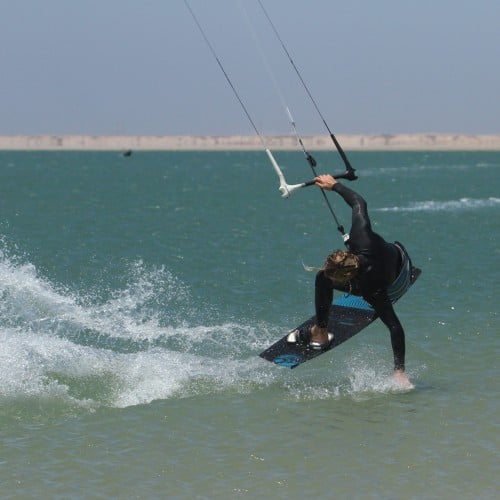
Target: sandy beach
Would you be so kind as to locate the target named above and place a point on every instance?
(376, 142)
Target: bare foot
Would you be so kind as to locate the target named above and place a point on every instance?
(400, 378)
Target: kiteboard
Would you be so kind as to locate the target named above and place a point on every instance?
(349, 314)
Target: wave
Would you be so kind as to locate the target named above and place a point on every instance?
(452, 205)
(123, 351)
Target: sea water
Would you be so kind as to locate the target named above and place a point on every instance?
(136, 295)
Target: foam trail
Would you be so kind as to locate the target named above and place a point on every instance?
(45, 367)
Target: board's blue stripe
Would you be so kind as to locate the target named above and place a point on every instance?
(348, 300)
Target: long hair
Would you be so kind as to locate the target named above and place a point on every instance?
(341, 267)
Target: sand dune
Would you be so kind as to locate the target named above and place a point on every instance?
(376, 142)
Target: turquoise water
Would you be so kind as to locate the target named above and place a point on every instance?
(137, 293)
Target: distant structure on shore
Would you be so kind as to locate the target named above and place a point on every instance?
(376, 142)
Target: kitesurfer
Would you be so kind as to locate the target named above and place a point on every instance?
(378, 271)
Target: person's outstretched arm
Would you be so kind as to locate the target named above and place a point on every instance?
(361, 225)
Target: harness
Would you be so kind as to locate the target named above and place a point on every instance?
(401, 284)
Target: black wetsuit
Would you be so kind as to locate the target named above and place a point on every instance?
(380, 263)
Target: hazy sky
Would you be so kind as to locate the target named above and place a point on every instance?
(142, 67)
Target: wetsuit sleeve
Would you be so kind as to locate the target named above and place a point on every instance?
(361, 233)
(385, 310)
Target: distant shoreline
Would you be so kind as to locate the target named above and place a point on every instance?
(375, 142)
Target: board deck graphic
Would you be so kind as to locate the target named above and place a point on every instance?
(349, 314)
